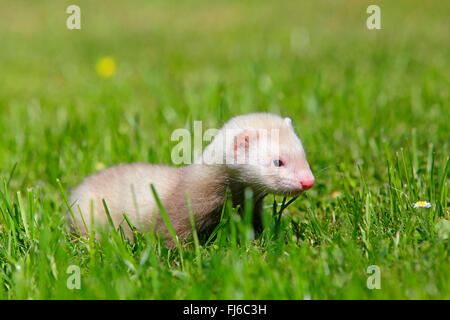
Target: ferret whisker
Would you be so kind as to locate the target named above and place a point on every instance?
(326, 168)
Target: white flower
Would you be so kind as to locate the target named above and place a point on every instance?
(422, 204)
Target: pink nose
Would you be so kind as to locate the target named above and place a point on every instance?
(307, 183)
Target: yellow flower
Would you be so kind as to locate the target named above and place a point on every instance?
(422, 204)
(99, 166)
(106, 67)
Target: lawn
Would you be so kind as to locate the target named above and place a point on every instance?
(371, 108)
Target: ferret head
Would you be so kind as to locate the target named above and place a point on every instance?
(263, 151)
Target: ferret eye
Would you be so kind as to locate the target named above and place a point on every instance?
(278, 163)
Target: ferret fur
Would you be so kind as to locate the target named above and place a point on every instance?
(126, 187)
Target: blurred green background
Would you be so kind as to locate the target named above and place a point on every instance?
(357, 98)
(210, 60)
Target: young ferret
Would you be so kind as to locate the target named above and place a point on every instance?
(259, 151)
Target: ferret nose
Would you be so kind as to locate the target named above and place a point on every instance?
(307, 183)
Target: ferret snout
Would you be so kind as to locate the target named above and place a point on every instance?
(307, 183)
(306, 180)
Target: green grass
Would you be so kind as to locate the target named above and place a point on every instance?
(371, 108)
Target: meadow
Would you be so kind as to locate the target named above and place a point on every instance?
(371, 108)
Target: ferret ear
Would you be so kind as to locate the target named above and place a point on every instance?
(288, 121)
(243, 140)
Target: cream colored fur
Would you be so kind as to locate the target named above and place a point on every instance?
(126, 188)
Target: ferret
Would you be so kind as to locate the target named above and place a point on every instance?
(259, 151)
